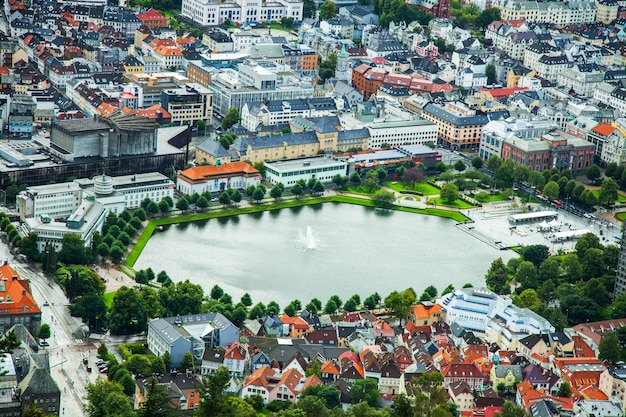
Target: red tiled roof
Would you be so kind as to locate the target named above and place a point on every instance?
(151, 15)
(16, 296)
(502, 92)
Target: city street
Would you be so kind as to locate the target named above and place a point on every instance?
(68, 345)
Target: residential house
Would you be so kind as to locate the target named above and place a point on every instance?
(462, 396)
(18, 303)
(236, 359)
(426, 313)
(298, 327)
(507, 375)
(212, 359)
(456, 372)
(391, 379)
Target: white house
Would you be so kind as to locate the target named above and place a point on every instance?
(290, 171)
(217, 178)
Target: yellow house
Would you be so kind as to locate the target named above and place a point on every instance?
(132, 65)
(507, 375)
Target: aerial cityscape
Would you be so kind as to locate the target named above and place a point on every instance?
(352, 208)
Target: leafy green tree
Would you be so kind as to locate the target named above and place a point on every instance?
(551, 190)
(330, 307)
(449, 193)
(497, 276)
(232, 117)
(257, 311)
(383, 199)
(187, 361)
(477, 162)
(329, 394)
(565, 390)
(128, 312)
(593, 173)
(29, 247)
(107, 399)
(73, 251)
(535, 254)
(157, 401)
(276, 192)
(400, 303)
(182, 204)
(355, 178)
(140, 214)
(273, 308)
(116, 253)
(152, 208)
(212, 396)
(259, 194)
(371, 182)
(526, 275)
(34, 411)
(608, 191)
(579, 309)
(366, 390)
(216, 292)
(92, 311)
(297, 190)
(44, 331)
(527, 299)
(290, 310)
(139, 365)
(488, 16)
(246, 300)
(412, 176)
(609, 348)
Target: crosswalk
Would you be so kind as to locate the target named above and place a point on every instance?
(63, 341)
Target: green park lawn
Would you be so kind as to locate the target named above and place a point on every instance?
(494, 198)
(424, 188)
(460, 204)
(620, 198)
(107, 299)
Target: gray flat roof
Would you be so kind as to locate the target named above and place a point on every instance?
(314, 162)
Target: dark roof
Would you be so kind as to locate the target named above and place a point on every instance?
(39, 382)
(454, 119)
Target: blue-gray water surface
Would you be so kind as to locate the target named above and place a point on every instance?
(319, 251)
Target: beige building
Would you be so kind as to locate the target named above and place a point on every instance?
(606, 11)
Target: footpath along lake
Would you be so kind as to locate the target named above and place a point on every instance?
(319, 251)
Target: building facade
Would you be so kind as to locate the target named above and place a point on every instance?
(217, 178)
(289, 172)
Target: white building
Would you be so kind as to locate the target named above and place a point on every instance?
(278, 112)
(213, 13)
(87, 219)
(53, 200)
(290, 171)
(482, 311)
(255, 82)
(559, 13)
(409, 132)
(56, 201)
(217, 178)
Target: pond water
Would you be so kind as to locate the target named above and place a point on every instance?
(319, 251)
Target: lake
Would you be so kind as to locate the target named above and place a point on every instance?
(319, 251)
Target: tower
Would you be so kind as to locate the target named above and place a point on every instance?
(341, 71)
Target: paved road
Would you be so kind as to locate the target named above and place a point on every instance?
(68, 346)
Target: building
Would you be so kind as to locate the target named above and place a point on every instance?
(482, 311)
(400, 133)
(495, 132)
(620, 273)
(606, 11)
(189, 104)
(367, 80)
(459, 126)
(53, 200)
(152, 19)
(193, 333)
(217, 40)
(555, 12)
(116, 135)
(425, 314)
(213, 13)
(87, 219)
(279, 112)
(57, 201)
(255, 82)
(183, 389)
(556, 149)
(583, 79)
(18, 304)
(217, 178)
(290, 171)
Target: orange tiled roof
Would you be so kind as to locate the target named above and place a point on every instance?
(593, 393)
(603, 129)
(423, 312)
(260, 377)
(167, 51)
(204, 172)
(17, 298)
(330, 368)
(151, 14)
(502, 92)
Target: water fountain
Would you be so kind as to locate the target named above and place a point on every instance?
(307, 239)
